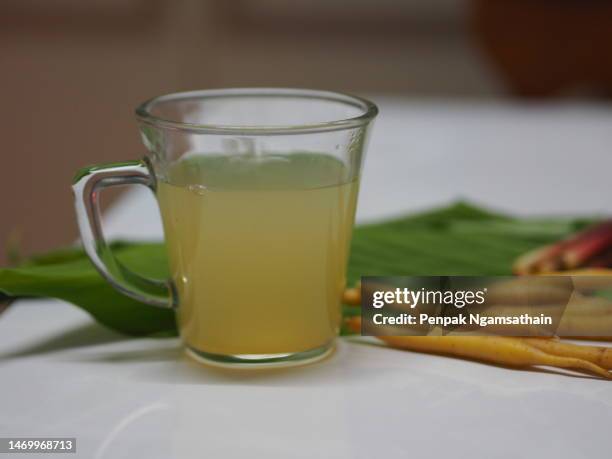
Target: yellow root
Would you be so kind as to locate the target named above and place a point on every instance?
(599, 355)
(507, 351)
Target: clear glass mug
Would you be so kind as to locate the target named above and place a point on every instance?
(257, 191)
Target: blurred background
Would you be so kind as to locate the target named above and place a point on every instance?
(73, 71)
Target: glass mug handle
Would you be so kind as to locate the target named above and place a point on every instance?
(87, 185)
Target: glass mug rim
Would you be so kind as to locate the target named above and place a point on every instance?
(368, 111)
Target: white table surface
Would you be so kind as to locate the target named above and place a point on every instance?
(63, 375)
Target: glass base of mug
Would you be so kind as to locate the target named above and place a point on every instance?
(258, 361)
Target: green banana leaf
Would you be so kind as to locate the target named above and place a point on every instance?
(456, 240)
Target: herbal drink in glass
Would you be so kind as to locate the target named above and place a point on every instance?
(257, 191)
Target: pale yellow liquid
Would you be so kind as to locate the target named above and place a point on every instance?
(258, 251)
